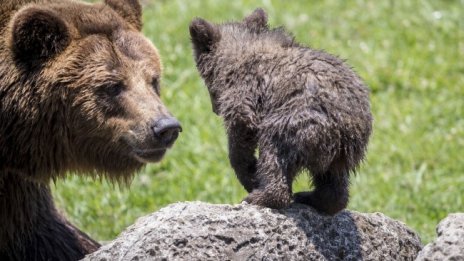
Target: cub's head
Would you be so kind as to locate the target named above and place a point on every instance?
(220, 48)
(96, 84)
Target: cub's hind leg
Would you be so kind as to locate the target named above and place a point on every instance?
(330, 194)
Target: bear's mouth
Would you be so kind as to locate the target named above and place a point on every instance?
(149, 155)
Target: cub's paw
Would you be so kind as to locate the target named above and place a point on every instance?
(267, 199)
(324, 205)
(306, 198)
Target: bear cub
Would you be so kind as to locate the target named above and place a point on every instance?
(303, 109)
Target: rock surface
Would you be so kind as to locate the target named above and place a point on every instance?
(449, 244)
(200, 231)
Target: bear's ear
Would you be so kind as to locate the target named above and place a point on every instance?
(256, 20)
(38, 34)
(203, 36)
(130, 10)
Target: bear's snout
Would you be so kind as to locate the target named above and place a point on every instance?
(166, 130)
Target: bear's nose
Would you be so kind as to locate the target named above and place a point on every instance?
(167, 130)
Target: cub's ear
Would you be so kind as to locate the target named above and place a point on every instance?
(257, 20)
(130, 10)
(203, 36)
(38, 34)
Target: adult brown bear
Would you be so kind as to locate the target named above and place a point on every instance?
(79, 92)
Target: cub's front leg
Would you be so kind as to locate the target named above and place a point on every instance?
(242, 145)
(275, 180)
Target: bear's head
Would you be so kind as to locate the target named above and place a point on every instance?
(218, 48)
(87, 95)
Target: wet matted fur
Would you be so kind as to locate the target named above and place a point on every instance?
(303, 109)
(79, 92)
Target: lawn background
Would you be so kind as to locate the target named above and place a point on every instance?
(410, 53)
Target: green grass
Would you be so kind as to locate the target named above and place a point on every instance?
(410, 53)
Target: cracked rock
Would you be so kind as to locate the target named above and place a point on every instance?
(449, 244)
(201, 231)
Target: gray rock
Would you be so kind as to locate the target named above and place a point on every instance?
(449, 244)
(200, 231)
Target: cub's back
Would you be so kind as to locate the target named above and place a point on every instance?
(296, 78)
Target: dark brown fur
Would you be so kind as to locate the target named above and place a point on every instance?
(303, 109)
(79, 92)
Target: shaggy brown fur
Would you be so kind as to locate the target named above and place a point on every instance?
(79, 92)
(304, 109)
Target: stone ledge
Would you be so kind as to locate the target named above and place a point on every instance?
(449, 244)
(201, 231)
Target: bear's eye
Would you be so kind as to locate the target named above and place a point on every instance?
(114, 89)
(155, 85)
